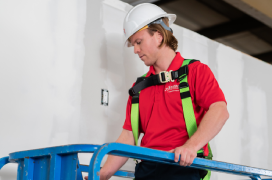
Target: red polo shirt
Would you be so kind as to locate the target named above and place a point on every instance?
(161, 113)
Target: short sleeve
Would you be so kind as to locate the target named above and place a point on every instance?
(205, 87)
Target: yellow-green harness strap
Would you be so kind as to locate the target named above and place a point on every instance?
(187, 105)
(188, 110)
(135, 121)
(134, 116)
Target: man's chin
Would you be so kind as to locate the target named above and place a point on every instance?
(147, 64)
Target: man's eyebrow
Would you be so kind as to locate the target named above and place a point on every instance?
(135, 41)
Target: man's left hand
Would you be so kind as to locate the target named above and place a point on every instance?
(187, 155)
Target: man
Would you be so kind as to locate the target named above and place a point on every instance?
(162, 112)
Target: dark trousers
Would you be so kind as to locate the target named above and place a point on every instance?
(147, 170)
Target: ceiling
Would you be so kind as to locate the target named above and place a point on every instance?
(236, 23)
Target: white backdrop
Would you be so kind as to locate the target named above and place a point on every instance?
(56, 56)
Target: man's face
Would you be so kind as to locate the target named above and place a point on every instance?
(146, 46)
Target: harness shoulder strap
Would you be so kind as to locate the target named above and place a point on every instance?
(134, 115)
(188, 112)
(187, 104)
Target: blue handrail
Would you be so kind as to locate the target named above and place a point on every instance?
(4, 161)
(168, 158)
(67, 149)
(62, 162)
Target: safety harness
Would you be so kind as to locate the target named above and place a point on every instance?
(187, 105)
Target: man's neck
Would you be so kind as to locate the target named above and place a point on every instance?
(164, 60)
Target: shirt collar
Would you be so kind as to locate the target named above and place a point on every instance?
(175, 65)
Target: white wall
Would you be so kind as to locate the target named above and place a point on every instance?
(41, 65)
(56, 56)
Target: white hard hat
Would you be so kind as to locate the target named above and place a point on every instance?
(140, 16)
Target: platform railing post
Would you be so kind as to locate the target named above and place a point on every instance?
(28, 169)
(79, 171)
(20, 169)
(94, 167)
(68, 169)
(55, 167)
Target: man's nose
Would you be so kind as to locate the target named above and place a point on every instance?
(136, 49)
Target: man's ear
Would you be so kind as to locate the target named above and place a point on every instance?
(158, 37)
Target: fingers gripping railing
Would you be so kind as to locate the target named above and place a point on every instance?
(168, 158)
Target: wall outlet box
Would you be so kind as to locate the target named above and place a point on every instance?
(104, 97)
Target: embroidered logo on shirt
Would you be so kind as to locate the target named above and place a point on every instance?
(172, 88)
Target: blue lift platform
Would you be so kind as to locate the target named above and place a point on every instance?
(62, 163)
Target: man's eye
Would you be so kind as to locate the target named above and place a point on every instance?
(139, 42)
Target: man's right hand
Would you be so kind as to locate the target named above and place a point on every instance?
(102, 176)
(114, 163)
(186, 153)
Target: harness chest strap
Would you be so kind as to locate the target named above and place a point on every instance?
(162, 77)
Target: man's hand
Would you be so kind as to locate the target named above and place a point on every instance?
(114, 163)
(102, 174)
(187, 155)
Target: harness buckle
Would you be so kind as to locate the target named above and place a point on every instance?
(167, 76)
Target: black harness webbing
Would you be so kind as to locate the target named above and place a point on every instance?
(157, 79)
(144, 83)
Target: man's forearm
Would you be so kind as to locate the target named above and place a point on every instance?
(210, 125)
(114, 163)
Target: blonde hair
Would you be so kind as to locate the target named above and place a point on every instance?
(168, 38)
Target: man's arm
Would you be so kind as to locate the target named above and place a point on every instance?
(114, 163)
(211, 124)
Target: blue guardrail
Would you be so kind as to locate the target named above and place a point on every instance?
(61, 162)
